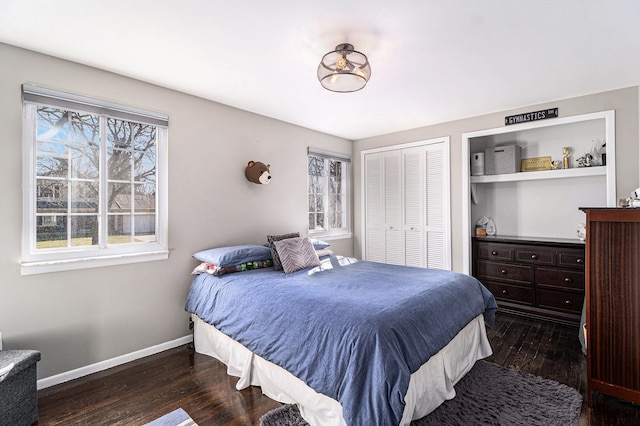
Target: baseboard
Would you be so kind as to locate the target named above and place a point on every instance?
(113, 362)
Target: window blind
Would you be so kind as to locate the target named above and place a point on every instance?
(41, 95)
(329, 155)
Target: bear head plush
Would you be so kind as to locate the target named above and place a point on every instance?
(258, 172)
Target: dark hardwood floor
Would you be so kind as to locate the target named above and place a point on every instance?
(143, 390)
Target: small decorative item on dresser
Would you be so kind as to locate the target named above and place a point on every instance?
(566, 152)
(581, 231)
(491, 228)
(634, 200)
(482, 227)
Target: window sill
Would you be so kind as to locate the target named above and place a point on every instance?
(34, 268)
(327, 237)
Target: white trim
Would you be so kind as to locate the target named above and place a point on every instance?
(404, 145)
(37, 261)
(345, 231)
(447, 202)
(110, 363)
(329, 237)
(33, 268)
(466, 204)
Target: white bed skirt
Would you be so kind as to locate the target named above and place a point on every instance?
(431, 385)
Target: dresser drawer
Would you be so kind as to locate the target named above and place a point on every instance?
(561, 278)
(511, 293)
(495, 251)
(537, 256)
(571, 258)
(542, 278)
(521, 274)
(569, 302)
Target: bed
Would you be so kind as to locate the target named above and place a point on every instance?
(349, 341)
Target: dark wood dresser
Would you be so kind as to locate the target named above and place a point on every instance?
(613, 302)
(542, 278)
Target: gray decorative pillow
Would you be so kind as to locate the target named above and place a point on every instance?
(296, 254)
(277, 265)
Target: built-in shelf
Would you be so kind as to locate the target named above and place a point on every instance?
(542, 203)
(544, 174)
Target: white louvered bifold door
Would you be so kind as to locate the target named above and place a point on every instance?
(374, 208)
(394, 247)
(437, 208)
(413, 165)
(407, 206)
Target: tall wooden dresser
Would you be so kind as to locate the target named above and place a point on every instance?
(613, 302)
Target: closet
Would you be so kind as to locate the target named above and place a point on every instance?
(406, 204)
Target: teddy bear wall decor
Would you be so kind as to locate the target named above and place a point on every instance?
(258, 172)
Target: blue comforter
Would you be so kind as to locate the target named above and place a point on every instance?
(352, 330)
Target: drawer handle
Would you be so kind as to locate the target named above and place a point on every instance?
(495, 253)
(505, 292)
(503, 271)
(579, 260)
(534, 256)
(567, 302)
(567, 280)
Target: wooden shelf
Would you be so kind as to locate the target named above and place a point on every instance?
(545, 174)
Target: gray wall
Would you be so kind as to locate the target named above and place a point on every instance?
(83, 317)
(623, 101)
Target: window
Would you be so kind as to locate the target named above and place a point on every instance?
(328, 193)
(94, 183)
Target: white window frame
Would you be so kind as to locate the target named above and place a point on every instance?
(345, 231)
(38, 261)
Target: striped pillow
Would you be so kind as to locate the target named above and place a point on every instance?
(277, 265)
(296, 253)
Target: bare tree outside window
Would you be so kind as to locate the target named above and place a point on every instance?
(131, 149)
(316, 193)
(336, 212)
(68, 173)
(327, 190)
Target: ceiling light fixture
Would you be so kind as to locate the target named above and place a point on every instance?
(344, 69)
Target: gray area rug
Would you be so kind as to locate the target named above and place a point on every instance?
(488, 395)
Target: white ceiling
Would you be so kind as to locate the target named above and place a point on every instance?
(432, 60)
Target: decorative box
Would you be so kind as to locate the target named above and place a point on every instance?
(502, 159)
